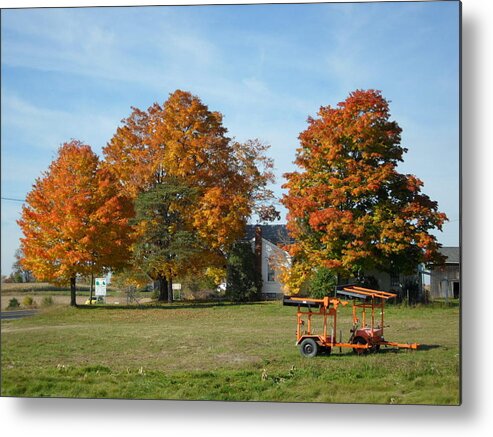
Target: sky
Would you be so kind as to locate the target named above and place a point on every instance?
(76, 72)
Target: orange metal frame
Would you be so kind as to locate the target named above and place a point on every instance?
(367, 338)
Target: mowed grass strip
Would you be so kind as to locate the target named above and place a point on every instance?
(224, 352)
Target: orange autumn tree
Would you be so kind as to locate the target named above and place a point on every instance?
(75, 221)
(184, 142)
(349, 209)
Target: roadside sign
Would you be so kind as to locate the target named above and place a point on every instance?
(176, 291)
(100, 286)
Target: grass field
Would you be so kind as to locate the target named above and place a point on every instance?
(223, 352)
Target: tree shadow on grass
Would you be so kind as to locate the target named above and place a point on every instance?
(394, 349)
(347, 352)
(166, 306)
(427, 347)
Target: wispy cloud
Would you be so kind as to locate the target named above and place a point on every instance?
(46, 129)
(76, 72)
(55, 41)
(100, 46)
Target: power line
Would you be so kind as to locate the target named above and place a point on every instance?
(13, 200)
(21, 200)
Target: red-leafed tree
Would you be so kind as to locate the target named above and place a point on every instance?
(349, 209)
(75, 221)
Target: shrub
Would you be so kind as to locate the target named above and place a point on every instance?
(198, 286)
(47, 301)
(368, 281)
(16, 277)
(410, 291)
(322, 283)
(155, 294)
(28, 301)
(13, 303)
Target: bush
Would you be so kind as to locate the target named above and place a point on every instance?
(155, 294)
(13, 303)
(322, 284)
(47, 301)
(410, 292)
(16, 277)
(28, 301)
(243, 283)
(198, 286)
(368, 282)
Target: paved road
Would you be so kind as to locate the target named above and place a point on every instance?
(8, 315)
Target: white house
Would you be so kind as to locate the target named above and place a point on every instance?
(266, 241)
(273, 237)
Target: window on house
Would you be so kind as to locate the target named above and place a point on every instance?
(271, 274)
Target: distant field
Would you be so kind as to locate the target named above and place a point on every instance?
(60, 295)
(31, 287)
(223, 352)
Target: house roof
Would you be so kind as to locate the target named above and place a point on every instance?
(452, 254)
(276, 234)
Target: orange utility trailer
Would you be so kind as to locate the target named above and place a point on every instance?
(367, 329)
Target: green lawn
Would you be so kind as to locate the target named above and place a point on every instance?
(224, 352)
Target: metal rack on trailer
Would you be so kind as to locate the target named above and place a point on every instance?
(364, 339)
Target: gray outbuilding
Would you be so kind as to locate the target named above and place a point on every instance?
(445, 279)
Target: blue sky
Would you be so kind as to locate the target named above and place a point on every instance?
(75, 73)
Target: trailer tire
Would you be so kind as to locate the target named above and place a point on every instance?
(309, 348)
(375, 348)
(358, 351)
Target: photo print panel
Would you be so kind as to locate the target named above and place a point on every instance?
(254, 202)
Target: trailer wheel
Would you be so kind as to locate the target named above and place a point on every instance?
(309, 348)
(358, 351)
(375, 348)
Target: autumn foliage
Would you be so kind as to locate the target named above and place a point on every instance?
(184, 139)
(349, 209)
(184, 142)
(174, 193)
(75, 221)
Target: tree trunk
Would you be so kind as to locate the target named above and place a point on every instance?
(73, 302)
(170, 290)
(163, 289)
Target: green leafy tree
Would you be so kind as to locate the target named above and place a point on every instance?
(243, 281)
(166, 245)
(322, 283)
